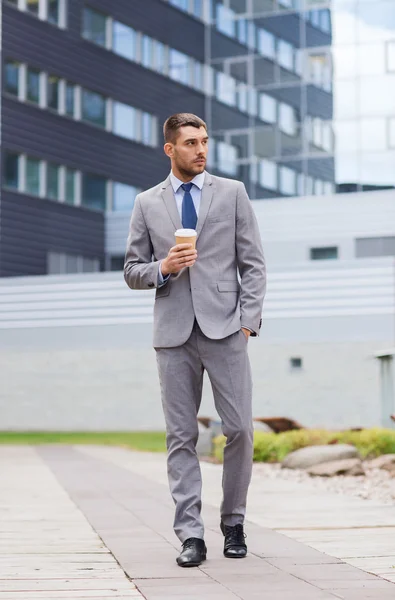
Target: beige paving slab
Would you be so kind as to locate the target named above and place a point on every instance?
(359, 532)
(48, 550)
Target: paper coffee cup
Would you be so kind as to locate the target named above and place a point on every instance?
(186, 236)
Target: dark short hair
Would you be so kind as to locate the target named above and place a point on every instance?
(173, 124)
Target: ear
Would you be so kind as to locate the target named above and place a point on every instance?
(169, 149)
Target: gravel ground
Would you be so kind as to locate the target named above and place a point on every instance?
(377, 484)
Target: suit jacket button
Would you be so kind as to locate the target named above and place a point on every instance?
(151, 285)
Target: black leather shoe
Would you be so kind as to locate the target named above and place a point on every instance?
(234, 545)
(193, 553)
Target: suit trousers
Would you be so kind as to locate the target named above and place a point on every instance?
(181, 372)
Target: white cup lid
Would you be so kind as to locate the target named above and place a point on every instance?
(185, 232)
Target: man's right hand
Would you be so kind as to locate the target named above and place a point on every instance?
(180, 256)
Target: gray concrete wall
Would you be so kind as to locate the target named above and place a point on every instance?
(76, 354)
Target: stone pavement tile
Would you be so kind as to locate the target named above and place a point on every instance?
(355, 584)
(379, 594)
(337, 572)
(156, 589)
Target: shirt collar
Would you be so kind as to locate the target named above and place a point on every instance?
(176, 183)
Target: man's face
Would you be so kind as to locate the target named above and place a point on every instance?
(189, 152)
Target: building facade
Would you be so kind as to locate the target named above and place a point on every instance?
(298, 96)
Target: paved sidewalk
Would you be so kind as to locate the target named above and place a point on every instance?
(94, 522)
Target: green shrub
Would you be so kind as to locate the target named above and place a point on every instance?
(274, 447)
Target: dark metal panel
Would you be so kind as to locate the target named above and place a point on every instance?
(33, 226)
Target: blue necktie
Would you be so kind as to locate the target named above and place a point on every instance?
(189, 216)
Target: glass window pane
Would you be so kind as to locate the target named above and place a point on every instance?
(124, 40)
(147, 129)
(125, 120)
(287, 181)
(268, 174)
(226, 89)
(52, 181)
(123, 197)
(226, 23)
(12, 77)
(268, 108)
(70, 186)
(70, 100)
(287, 119)
(93, 108)
(179, 66)
(53, 11)
(227, 158)
(159, 57)
(32, 176)
(285, 55)
(147, 54)
(94, 26)
(53, 92)
(94, 192)
(33, 85)
(32, 6)
(11, 170)
(329, 253)
(266, 43)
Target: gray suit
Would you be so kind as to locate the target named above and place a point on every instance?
(198, 316)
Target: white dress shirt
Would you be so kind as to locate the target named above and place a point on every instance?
(196, 193)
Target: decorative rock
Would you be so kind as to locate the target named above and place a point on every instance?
(315, 455)
(386, 461)
(347, 466)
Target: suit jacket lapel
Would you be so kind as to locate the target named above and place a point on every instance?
(170, 202)
(205, 202)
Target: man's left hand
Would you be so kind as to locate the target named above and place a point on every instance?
(246, 332)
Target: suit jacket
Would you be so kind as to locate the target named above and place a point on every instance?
(225, 288)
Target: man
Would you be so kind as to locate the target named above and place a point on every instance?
(203, 318)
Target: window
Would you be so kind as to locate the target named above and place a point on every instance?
(12, 77)
(287, 119)
(94, 192)
(147, 129)
(11, 170)
(295, 363)
(159, 57)
(266, 43)
(268, 174)
(125, 121)
(93, 108)
(70, 100)
(227, 158)
(33, 176)
(147, 52)
(287, 181)
(285, 55)
(330, 253)
(32, 6)
(226, 23)
(53, 11)
(94, 26)
(376, 246)
(69, 196)
(61, 264)
(33, 85)
(117, 263)
(52, 191)
(53, 92)
(267, 108)
(123, 197)
(226, 89)
(179, 66)
(391, 56)
(90, 265)
(124, 41)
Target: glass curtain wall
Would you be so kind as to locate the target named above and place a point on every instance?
(304, 90)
